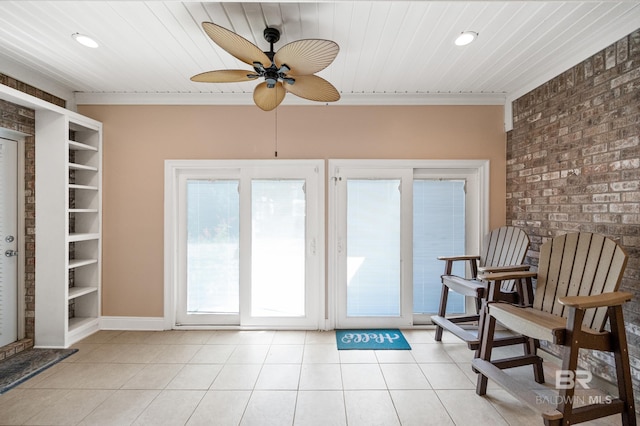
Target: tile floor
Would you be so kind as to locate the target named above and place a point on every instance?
(260, 378)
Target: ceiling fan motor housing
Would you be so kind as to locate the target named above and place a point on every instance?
(272, 35)
(273, 73)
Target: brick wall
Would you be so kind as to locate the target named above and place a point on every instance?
(30, 90)
(573, 164)
(22, 119)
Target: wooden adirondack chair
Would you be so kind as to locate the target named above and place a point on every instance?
(576, 292)
(504, 249)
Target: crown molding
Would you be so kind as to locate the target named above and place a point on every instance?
(83, 98)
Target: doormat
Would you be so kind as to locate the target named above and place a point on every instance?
(379, 339)
(21, 367)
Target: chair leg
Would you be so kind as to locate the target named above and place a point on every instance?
(482, 317)
(570, 364)
(478, 303)
(486, 345)
(623, 369)
(442, 310)
(530, 348)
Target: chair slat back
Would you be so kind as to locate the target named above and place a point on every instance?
(505, 246)
(578, 264)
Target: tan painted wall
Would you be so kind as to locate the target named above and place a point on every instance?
(137, 140)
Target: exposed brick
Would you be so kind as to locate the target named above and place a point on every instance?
(600, 187)
(606, 157)
(625, 143)
(631, 218)
(606, 198)
(629, 197)
(622, 50)
(633, 163)
(584, 126)
(625, 186)
(624, 208)
(626, 78)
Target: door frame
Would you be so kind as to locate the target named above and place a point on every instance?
(404, 319)
(334, 166)
(19, 138)
(174, 169)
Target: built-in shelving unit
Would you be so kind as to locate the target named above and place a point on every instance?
(69, 220)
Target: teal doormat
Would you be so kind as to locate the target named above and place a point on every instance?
(379, 339)
(21, 367)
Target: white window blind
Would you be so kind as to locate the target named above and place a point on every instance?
(438, 230)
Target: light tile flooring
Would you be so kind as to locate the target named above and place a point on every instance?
(259, 378)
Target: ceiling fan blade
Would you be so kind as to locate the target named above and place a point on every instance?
(305, 57)
(268, 98)
(223, 76)
(313, 88)
(236, 45)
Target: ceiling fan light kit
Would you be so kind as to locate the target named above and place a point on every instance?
(291, 69)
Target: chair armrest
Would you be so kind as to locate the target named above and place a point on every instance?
(503, 276)
(464, 257)
(605, 299)
(507, 268)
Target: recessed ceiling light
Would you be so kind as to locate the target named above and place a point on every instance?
(85, 40)
(466, 38)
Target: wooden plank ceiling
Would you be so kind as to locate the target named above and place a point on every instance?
(389, 49)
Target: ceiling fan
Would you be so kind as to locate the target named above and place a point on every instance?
(290, 69)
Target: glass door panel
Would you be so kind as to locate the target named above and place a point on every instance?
(278, 248)
(438, 230)
(213, 246)
(373, 224)
(373, 247)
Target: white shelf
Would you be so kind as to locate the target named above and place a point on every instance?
(78, 322)
(83, 237)
(87, 187)
(83, 210)
(80, 291)
(76, 263)
(76, 166)
(72, 225)
(79, 146)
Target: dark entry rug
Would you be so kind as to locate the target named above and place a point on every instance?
(371, 339)
(18, 368)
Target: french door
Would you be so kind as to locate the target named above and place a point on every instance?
(244, 240)
(373, 248)
(250, 243)
(389, 221)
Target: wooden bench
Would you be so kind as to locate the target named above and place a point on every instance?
(576, 293)
(503, 249)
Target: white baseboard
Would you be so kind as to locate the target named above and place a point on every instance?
(132, 323)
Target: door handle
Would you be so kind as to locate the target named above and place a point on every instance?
(10, 253)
